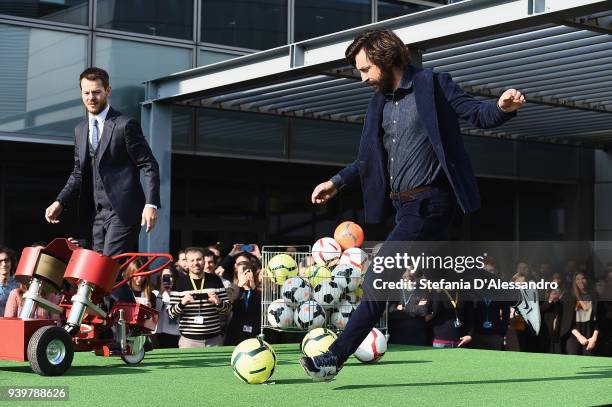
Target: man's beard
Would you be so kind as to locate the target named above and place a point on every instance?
(386, 84)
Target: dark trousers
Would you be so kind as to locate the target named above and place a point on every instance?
(573, 347)
(489, 341)
(111, 237)
(426, 218)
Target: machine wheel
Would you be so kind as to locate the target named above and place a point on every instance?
(135, 358)
(50, 351)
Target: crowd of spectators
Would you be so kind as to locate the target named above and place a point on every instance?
(576, 317)
(207, 299)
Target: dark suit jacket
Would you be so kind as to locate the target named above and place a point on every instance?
(439, 101)
(123, 153)
(568, 313)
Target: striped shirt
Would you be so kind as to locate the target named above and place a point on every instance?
(199, 319)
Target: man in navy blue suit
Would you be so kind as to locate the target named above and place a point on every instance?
(110, 153)
(411, 155)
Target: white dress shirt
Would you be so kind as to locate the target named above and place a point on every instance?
(100, 118)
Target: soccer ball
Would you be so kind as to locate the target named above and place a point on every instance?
(349, 234)
(317, 274)
(350, 297)
(296, 290)
(317, 341)
(280, 314)
(253, 361)
(341, 314)
(327, 292)
(347, 277)
(309, 315)
(355, 257)
(372, 348)
(281, 267)
(326, 251)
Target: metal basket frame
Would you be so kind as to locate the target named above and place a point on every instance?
(272, 291)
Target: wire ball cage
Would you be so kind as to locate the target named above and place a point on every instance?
(304, 262)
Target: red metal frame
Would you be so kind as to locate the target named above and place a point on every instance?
(95, 268)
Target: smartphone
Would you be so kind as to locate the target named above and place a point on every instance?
(166, 279)
(246, 247)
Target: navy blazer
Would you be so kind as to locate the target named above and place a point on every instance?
(439, 101)
(123, 152)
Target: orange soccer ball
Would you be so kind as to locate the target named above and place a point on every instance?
(349, 234)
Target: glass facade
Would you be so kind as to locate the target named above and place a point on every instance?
(240, 133)
(59, 11)
(39, 71)
(130, 63)
(254, 24)
(152, 17)
(314, 18)
(394, 8)
(210, 57)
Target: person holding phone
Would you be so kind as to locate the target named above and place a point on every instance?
(198, 300)
(166, 333)
(246, 304)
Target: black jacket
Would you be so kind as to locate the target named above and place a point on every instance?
(123, 152)
(568, 313)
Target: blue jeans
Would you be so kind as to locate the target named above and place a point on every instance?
(426, 218)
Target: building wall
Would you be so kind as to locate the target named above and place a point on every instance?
(260, 188)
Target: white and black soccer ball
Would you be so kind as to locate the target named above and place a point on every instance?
(351, 297)
(341, 314)
(280, 314)
(347, 276)
(296, 290)
(309, 315)
(327, 293)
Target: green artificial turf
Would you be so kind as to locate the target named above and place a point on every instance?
(405, 376)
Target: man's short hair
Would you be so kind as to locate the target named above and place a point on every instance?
(10, 253)
(203, 251)
(383, 48)
(93, 73)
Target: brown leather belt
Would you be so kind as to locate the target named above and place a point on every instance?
(408, 195)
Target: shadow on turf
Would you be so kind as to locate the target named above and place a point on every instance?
(387, 362)
(601, 372)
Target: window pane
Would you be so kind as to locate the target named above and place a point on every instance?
(39, 73)
(131, 63)
(61, 11)
(314, 18)
(395, 8)
(182, 128)
(153, 17)
(210, 57)
(256, 24)
(324, 141)
(240, 133)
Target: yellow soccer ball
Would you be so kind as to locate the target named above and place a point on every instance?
(317, 341)
(281, 267)
(253, 361)
(317, 274)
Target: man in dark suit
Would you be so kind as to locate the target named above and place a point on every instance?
(110, 151)
(411, 155)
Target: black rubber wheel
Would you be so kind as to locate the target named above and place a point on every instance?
(50, 351)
